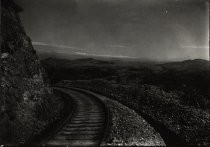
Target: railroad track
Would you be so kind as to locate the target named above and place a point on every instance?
(87, 125)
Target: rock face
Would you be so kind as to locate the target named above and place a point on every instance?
(26, 101)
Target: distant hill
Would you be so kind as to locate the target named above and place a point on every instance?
(182, 66)
(87, 68)
(64, 63)
(187, 65)
(172, 75)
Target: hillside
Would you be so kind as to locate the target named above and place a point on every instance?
(188, 65)
(27, 103)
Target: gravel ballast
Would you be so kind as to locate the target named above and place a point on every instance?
(127, 128)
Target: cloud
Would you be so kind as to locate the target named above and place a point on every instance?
(195, 47)
(78, 50)
(108, 56)
(39, 43)
(117, 46)
(55, 45)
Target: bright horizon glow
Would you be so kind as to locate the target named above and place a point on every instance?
(63, 49)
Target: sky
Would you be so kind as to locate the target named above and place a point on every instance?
(145, 29)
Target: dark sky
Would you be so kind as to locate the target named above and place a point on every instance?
(153, 29)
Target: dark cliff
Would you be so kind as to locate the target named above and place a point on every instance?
(27, 104)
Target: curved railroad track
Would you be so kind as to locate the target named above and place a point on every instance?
(87, 124)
